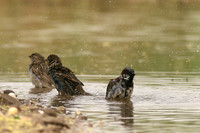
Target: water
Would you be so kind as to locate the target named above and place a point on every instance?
(97, 39)
(161, 102)
(152, 36)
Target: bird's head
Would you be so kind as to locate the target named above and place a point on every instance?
(36, 57)
(128, 74)
(53, 61)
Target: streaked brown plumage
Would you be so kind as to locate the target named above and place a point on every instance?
(64, 79)
(39, 72)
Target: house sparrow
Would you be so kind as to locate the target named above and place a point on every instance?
(39, 72)
(121, 87)
(64, 79)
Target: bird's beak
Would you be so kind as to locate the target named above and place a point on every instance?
(29, 56)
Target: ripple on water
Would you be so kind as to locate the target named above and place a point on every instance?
(168, 103)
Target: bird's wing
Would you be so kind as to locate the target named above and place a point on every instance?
(41, 72)
(110, 85)
(68, 75)
(62, 85)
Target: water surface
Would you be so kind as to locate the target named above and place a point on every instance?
(101, 37)
(97, 39)
(161, 102)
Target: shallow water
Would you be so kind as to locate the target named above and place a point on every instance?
(161, 102)
(97, 39)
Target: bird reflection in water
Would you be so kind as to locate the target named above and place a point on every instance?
(124, 112)
(39, 90)
(60, 100)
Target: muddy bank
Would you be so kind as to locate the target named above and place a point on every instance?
(31, 117)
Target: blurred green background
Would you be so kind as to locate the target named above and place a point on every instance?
(102, 36)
